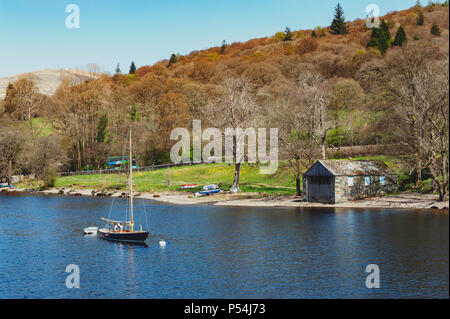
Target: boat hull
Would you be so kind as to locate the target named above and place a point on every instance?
(132, 237)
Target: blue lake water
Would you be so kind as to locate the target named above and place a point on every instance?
(220, 252)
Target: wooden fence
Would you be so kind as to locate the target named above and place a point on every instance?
(125, 170)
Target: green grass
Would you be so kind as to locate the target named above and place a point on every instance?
(280, 183)
(251, 181)
(42, 126)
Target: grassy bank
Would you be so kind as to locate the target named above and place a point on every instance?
(280, 183)
(251, 181)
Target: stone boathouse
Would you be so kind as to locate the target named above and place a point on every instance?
(344, 180)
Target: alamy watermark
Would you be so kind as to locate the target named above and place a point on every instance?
(235, 141)
(73, 280)
(373, 16)
(373, 279)
(73, 19)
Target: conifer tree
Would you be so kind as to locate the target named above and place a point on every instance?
(132, 68)
(223, 47)
(173, 59)
(118, 71)
(420, 19)
(435, 30)
(101, 134)
(288, 35)
(400, 37)
(380, 37)
(338, 25)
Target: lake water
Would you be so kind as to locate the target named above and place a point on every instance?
(220, 252)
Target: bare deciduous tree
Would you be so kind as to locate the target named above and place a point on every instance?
(11, 143)
(419, 88)
(290, 116)
(47, 158)
(234, 108)
(314, 93)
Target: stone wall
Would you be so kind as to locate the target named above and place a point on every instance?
(359, 190)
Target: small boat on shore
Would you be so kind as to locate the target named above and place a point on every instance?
(188, 186)
(208, 190)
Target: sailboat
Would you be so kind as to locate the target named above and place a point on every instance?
(124, 230)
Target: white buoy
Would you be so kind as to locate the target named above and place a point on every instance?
(162, 243)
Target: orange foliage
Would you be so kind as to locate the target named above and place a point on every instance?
(306, 45)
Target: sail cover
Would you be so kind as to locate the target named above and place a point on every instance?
(115, 222)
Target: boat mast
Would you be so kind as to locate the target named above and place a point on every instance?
(130, 163)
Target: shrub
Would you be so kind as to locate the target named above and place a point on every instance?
(300, 34)
(289, 50)
(405, 182)
(420, 19)
(306, 45)
(435, 30)
(319, 32)
(50, 179)
(280, 36)
(212, 56)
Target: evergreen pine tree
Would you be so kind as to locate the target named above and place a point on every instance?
(400, 37)
(102, 129)
(288, 35)
(380, 37)
(338, 25)
(420, 19)
(132, 68)
(223, 47)
(435, 30)
(118, 71)
(313, 34)
(173, 59)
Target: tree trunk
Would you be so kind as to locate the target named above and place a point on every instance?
(10, 172)
(77, 142)
(237, 173)
(323, 151)
(418, 174)
(297, 185)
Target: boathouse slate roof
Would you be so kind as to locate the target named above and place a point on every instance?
(355, 168)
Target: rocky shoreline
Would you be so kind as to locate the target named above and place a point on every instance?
(400, 201)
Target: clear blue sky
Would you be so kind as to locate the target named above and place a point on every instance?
(34, 36)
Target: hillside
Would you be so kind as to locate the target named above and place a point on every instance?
(341, 91)
(337, 55)
(47, 81)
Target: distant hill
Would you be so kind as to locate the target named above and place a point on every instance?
(46, 80)
(335, 55)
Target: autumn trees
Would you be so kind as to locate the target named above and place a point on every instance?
(11, 143)
(47, 158)
(322, 93)
(418, 84)
(82, 104)
(23, 100)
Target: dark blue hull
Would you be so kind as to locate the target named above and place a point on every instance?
(133, 237)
